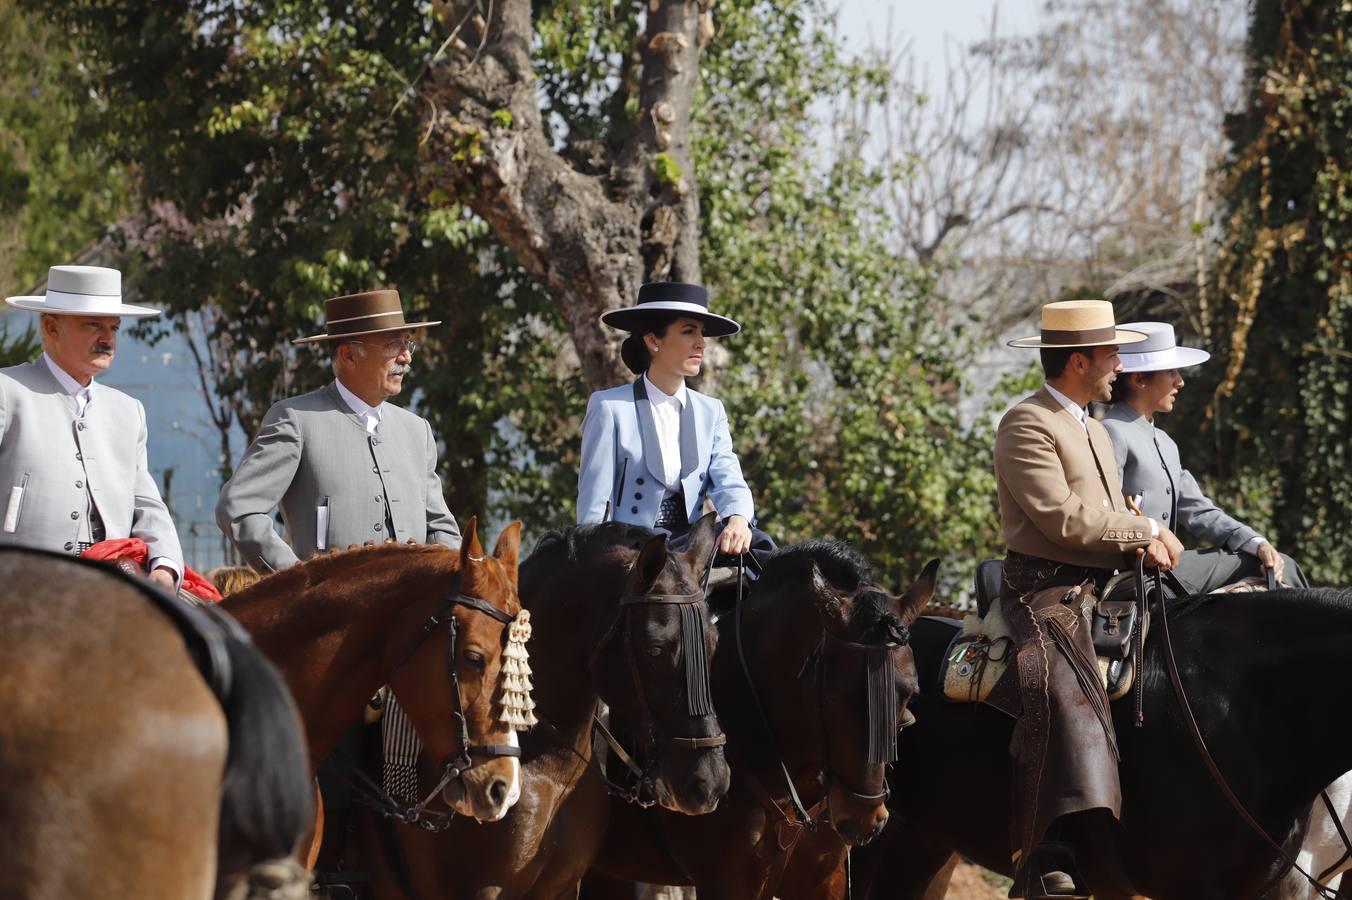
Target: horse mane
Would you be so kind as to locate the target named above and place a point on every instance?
(1340, 598)
(318, 568)
(577, 541)
(840, 564)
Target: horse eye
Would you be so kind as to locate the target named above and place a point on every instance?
(475, 658)
(654, 650)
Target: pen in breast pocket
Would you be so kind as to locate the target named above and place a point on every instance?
(322, 525)
(15, 505)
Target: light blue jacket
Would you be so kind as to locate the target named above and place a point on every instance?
(621, 462)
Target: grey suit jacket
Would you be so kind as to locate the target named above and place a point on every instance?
(70, 464)
(1148, 464)
(311, 453)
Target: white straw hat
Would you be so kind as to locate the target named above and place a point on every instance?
(82, 291)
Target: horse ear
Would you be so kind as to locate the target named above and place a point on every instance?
(652, 559)
(470, 548)
(508, 549)
(824, 597)
(702, 545)
(918, 596)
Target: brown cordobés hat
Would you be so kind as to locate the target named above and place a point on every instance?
(356, 315)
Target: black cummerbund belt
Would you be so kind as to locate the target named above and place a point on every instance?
(671, 514)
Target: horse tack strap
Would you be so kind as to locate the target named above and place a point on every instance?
(784, 830)
(1213, 769)
(699, 743)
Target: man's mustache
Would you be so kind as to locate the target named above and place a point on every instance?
(400, 369)
(102, 349)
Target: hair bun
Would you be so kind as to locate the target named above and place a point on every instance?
(634, 354)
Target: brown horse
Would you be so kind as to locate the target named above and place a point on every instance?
(795, 689)
(429, 622)
(146, 749)
(615, 625)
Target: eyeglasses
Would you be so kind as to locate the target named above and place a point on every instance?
(394, 347)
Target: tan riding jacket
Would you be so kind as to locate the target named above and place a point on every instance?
(1058, 489)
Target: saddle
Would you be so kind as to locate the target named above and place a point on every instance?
(976, 667)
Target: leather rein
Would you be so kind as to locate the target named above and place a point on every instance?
(698, 696)
(1217, 776)
(469, 754)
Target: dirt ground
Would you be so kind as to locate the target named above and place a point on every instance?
(970, 882)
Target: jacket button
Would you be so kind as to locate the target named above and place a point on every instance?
(634, 510)
(1165, 516)
(75, 515)
(638, 481)
(1168, 490)
(79, 484)
(378, 526)
(638, 496)
(70, 546)
(78, 456)
(701, 476)
(379, 498)
(375, 470)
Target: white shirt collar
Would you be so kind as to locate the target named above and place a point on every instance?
(657, 395)
(1074, 408)
(80, 392)
(371, 414)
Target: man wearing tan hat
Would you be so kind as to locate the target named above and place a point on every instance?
(73, 468)
(344, 466)
(1066, 530)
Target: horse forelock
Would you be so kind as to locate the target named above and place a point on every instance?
(871, 616)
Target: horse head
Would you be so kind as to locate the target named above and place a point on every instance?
(652, 667)
(469, 696)
(864, 675)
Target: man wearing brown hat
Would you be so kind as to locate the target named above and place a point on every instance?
(344, 466)
(1066, 530)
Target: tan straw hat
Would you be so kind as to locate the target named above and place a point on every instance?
(1078, 323)
(355, 315)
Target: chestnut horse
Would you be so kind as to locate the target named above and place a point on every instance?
(616, 623)
(811, 631)
(146, 749)
(429, 622)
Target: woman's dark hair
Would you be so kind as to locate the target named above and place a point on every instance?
(634, 352)
(1123, 387)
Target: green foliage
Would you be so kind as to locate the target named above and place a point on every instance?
(276, 146)
(1280, 428)
(841, 393)
(668, 170)
(56, 192)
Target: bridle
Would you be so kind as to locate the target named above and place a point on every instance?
(468, 755)
(882, 706)
(699, 698)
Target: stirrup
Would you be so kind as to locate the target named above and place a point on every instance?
(1046, 858)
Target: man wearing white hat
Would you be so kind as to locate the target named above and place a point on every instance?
(1067, 530)
(72, 451)
(1152, 473)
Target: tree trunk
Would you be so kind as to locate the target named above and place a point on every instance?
(590, 239)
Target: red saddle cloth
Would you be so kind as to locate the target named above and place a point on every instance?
(135, 550)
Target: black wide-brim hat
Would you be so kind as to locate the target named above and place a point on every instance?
(675, 298)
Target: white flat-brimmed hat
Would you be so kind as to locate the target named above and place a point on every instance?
(1078, 323)
(671, 297)
(1159, 352)
(82, 291)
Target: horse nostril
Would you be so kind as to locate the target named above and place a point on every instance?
(497, 792)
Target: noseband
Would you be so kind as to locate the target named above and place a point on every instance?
(469, 755)
(699, 699)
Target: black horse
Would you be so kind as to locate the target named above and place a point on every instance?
(1263, 672)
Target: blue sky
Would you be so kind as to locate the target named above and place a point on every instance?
(933, 27)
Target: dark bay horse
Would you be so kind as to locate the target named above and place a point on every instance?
(146, 749)
(429, 622)
(808, 630)
(613, 624)
(1264, 673)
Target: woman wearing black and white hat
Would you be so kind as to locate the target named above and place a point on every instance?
(654, 450)
(1153, 477)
